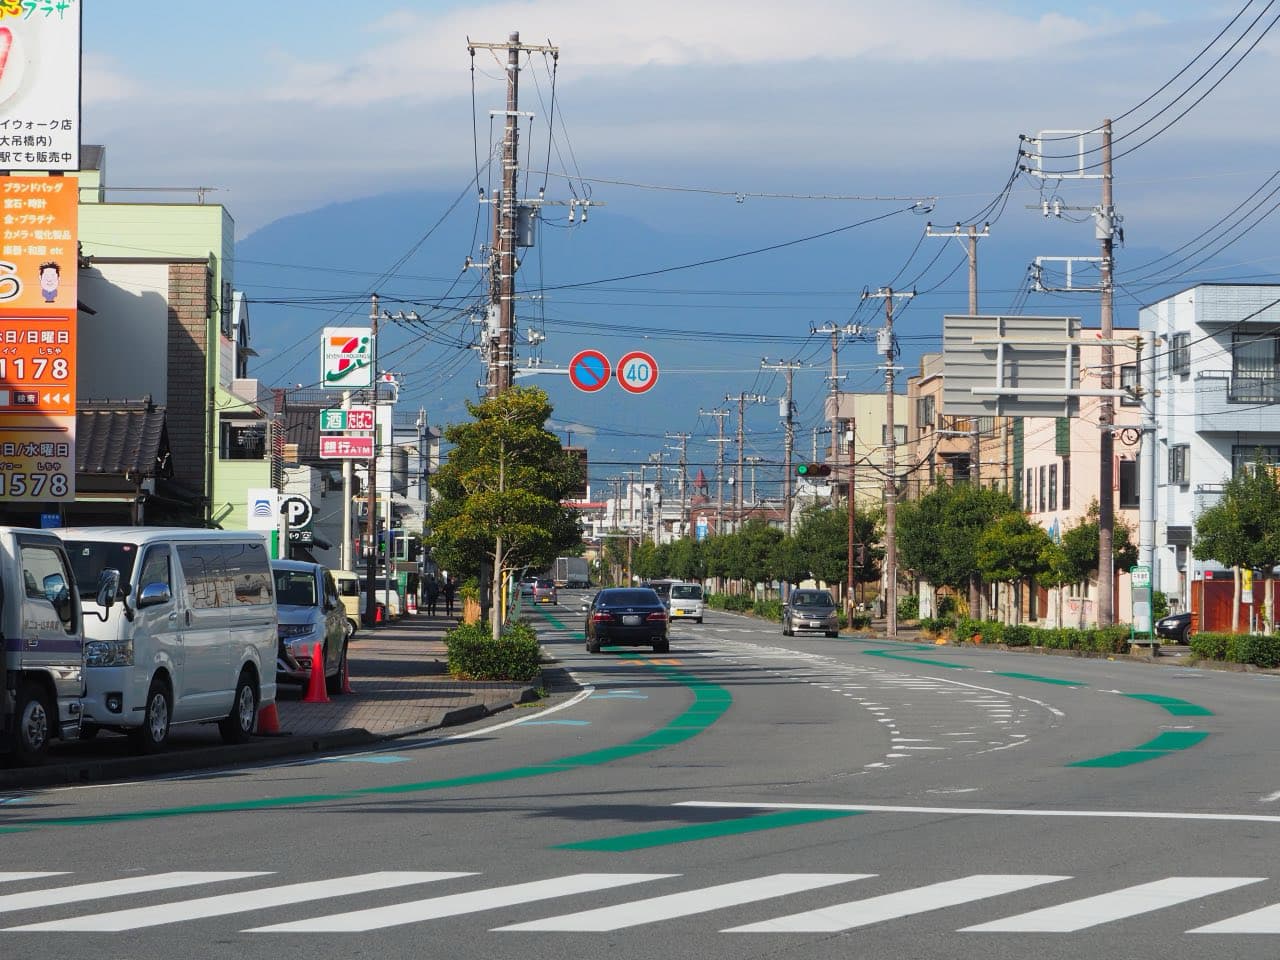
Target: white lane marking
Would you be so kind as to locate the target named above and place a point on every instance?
(116, 888)
(904, 903)
(160, 914)
(30, 876)
(990, 811)
(1270, 797)
(377, 918)
(1264, 920)
(686, 904)
(1108, 907)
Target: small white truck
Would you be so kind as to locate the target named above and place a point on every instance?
(42, 637)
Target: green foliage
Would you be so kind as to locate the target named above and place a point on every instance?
(1159, 605)
(947, 605)
(1010, 548)
(1080, 545)
(1262, 650)
(475, 655)
(937, 624)
(768, 610)
(991, 631)
(860, 621)
(938, 534)
(1019, 635)
(731, 602)
(909, 607)
(1243, 528)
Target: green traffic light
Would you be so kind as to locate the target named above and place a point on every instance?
(802, 469)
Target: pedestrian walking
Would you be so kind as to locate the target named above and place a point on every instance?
(450, 588)
(431, 591)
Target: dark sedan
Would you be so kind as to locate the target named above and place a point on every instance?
(634, 616)
(1175, 627)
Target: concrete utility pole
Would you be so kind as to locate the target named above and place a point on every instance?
(720, 441)
(371, 520)
(971, 234)
(657, 499)
(684, 479)
(788, 412)
(502, 283)
(849, 507)
(742, 399)
(1106, 414)
(885, 346)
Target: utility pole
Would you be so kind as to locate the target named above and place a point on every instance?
(971, 234)
(501, 355)
(1106, 227)
(657, 499)
(884, 344)
(1106, 414)
(371, 506)
(720, 441)
(684, 479)
(788, 411)
(849, 506)
(742, 399)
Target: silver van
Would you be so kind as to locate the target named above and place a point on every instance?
(311, 614)
(191, 638)
(685, 601)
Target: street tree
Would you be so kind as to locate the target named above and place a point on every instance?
(500, 492)
(1080, 544)
(1010, 550)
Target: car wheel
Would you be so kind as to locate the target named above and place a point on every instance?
(237, 726)
(89, 730)
(832, 634)
(1185, 636)
(334, 684)
(352, 627)
(153, 733)
(786, 632)
(593, 646)
(34, 726)
(699, 620)
(661, 646)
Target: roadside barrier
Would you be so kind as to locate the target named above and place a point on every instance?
(316, 692)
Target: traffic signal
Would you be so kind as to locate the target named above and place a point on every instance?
(813, 470)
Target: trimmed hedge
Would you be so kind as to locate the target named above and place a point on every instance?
(768, 610)
(1261, 650)
(1101, 640)
(475, 655)
(732, 602)
(909, 607)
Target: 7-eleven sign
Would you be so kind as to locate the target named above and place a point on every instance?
(346, 358)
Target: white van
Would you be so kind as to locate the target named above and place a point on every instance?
(192, 638)
(685, 600)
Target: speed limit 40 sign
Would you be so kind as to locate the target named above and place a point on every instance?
(637, 372)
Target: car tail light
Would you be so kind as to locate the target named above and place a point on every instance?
(601, 617)
(659, 615)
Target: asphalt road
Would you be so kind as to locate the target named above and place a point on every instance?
(745, 795)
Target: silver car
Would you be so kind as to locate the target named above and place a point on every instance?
(810, 611)
(310, 615)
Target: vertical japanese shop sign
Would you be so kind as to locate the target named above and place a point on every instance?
(37, 338)
(40, 84)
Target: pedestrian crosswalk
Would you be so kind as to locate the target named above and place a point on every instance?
(1045, 903)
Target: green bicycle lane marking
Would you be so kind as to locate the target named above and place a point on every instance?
(710, 703)
(1163, 745)
(705, 831)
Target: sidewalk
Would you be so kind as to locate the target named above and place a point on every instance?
(398, 675)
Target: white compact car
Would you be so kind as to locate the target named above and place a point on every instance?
(685, 601)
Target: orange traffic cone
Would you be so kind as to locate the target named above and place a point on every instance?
(346, 677)
(269, 721)
(316, 692)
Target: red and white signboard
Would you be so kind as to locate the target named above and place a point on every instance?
(589, 370)
(637, 372)
(341, 447)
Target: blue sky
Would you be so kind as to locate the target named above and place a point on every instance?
(668, 109)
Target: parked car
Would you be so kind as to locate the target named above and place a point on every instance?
(349, 592)
(810, 611)
(527, 585)
(634, 616)
(544, 591)
(686, 601)
(310, 613)
(1175, 627)
(191, 638)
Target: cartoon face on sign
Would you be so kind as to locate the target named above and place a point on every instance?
(50, 276)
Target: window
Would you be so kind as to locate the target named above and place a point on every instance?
(155, 569)
(1028, 491)
(1129, 382)
(243, 440)
(1178, 474)
(44, 580)
(1128, 484)
(1180, 354)
(1254, 368)
(925, 413)
(1243, 455)
(1044, 489)
(1053, 486)
(899, 433)
(1066, 483)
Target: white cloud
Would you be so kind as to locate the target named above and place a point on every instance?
(103, 80)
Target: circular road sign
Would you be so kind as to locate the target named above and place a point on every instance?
(637, 372)
(297, 511)
(589, 370)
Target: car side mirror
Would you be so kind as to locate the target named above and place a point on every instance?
(154, 594)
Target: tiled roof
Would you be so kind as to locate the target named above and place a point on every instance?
(126, 438)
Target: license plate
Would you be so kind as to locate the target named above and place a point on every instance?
(631, 620)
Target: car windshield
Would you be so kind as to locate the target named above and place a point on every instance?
(89, 558)
(295, 588)
(686, 591)
(808, 598)
(628, 597)
(544, 584)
